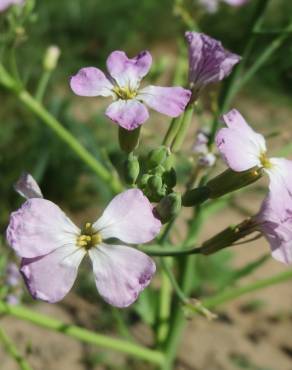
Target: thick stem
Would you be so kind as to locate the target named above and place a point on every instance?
(183, 129)
(83, 335)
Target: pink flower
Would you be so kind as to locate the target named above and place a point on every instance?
(52, 247)
(275, 222)
(242, 149)
(122, 84)
(209, 62)
(5, 4)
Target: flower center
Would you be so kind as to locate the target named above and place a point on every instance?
(266, 163)
(124, 93)
(89, 237)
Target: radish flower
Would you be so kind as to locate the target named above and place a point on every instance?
(242, 149)
(52, 247)
(122, 83)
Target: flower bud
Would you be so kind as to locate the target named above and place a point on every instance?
(229, 181)
(131, 169)
(157, 156)
(51, 58)
(155, 183)
(129, 140)
(169, 178)
(168, 207)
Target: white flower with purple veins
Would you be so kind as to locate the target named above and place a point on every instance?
(209, 62)
(242, 149)
(52, 247)
(275, 222)
(122, 83)
(5, 4)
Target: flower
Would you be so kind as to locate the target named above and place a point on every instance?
(122, 84)
(209, 62)
(52, 247)
(242, 149)
(27, 187)
(275, 222)
(5, 4)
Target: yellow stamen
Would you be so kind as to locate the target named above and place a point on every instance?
(266, 163)
(89, 237)
(124, 93)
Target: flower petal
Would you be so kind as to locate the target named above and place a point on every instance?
(128, 217)
(27, 187)
(128, 114)
(171, 101)
(280, 175)
(128, 72)
(4, 4)
(91, 81)
(38, 228)
(121, 273)
(275, 222)
(50, 277)
(239, 146)
(209, 62)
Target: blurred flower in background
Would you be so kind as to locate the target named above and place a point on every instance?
(212, 6)
(5, 4)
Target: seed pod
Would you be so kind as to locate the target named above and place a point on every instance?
(229, 181)
(131, 169)
(168, 207)
(157, 156)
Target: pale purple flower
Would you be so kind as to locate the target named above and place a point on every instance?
(242, 149)
(207, 160)
(209, 62)
(275, 222)
(5, 4)
(122, 83)
(13, 299)
(52, 248)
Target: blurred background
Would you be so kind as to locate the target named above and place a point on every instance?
(253, 333)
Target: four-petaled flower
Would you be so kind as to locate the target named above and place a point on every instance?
(242, 149)
(275, 222)
(52, 247)
(122, 84)
(209, 62)
(4, 4)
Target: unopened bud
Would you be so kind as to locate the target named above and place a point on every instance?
(155, 183)
(131, 169)
(169, 178)
(157, 156)
(51, 58)
(168, 207)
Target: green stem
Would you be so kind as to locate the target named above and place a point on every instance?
(83, 335)
(42, 85)
(12, 350)
(230, 295)
(165, 304)
(178, 322)
(183, 129)
(35, 107)
(172, 131)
